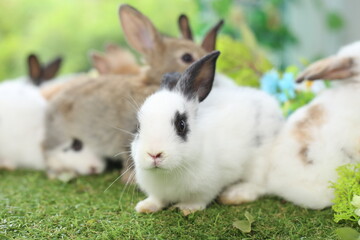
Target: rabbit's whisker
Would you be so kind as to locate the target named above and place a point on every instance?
(127, 184)
(120, 153)
(130, 166)
(124, 131)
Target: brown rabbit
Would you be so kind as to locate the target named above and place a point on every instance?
(115, 60)
(94, 118)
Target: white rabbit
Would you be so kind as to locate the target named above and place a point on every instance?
(189, 147)
(320, 136)
(22, 122)
(22, 116)
(100, 112)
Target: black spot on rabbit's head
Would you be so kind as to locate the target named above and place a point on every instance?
(170, 80)
(76, 145)
(180, 123)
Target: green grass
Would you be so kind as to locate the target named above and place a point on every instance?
(33, 207)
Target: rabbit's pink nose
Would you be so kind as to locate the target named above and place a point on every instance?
(155, 156)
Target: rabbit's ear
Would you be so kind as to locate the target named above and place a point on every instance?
(209, 41)
(169, 80)
(185, 27)
(51, 69)
(198, 78)
(140, 33)
(330, 68)
(111, 47)
(34, 69)
(99, 62)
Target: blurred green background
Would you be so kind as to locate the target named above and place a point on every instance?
(256, 31)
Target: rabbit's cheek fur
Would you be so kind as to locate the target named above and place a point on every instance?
(160, 153)
(82, 162)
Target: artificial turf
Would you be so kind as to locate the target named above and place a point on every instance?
(33, 207)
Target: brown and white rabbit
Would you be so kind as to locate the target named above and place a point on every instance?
(320, 136)
(94, 118)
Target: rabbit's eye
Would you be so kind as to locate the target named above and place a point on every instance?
(187, 58)
(76, 145)
(181, 125)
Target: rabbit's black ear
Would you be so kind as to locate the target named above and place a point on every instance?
(34, 69)
(198, 78)
(51, 69)
(209, 41)
(184, 26)
(139, 31)
(170, 80)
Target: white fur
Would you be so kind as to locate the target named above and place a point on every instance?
(221, 80)
(220, 148)
(331, 145)
(65, 160)
(22, 110)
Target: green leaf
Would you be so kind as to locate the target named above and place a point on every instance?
(249, 217)
(347, 233)
(243, 225)
(346, 186)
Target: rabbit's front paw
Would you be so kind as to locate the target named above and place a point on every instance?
(188, 208)
(7, 165)
(238, 194)
(149, 205)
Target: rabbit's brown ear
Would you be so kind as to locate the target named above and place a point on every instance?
(140, 33)
(209, 41)
(34, 69)
(112, 47)
(51, 69)
(184, 26)
(330, 68)
(100, 62)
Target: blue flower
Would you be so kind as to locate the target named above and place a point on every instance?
(287, 87)
(269, 82)
(282, 88)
